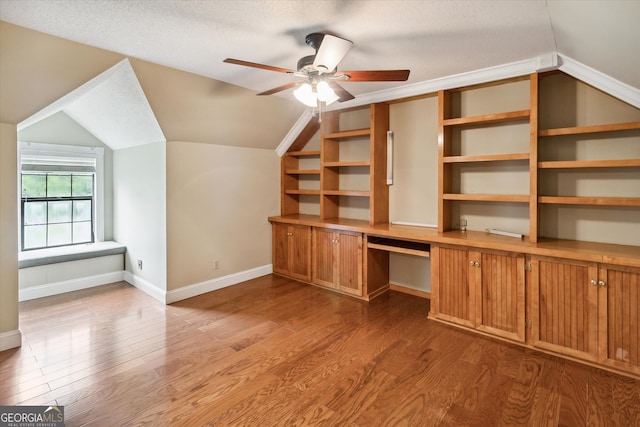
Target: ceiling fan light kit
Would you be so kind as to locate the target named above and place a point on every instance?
(312, 93)
(320, 72)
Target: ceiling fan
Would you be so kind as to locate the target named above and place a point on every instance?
(320, 75)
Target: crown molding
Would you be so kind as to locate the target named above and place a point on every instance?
(499, 72)
(599, 80)
(545, 62)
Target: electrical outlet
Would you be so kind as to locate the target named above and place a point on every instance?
(216, 264)
(139, 264)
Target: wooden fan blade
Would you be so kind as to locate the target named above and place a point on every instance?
(343, 94)
(256, 65)
(376, 75)
(278, 89)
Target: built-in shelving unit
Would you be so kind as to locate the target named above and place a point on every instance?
(569, 163)
(588, 150)
(449, 157)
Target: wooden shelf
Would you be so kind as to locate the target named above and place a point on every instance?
(348, 134)
(303, 153)
(400, 246)
(302, 171)
(614, 127)
(593, 201)
(486, 158)
(570, 164)
(345, 164)
(356, 193)
(307, 192)
(487, 197)
(488, 118)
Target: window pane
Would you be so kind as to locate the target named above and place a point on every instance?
(35, 236)
(60, 211)
(35, 213)
(82, 232)
(34, 185)
(82, 210)
(58, 185)
(82, 185)
(59, 234)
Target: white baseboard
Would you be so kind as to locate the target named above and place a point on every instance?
(69, 285)
(11, 339)
(146, 287)
(217, 283)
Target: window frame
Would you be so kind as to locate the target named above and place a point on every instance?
(47, 199)
(66, 151)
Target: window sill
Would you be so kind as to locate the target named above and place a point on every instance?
(69, 253)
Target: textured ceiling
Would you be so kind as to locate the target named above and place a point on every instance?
(432, 38)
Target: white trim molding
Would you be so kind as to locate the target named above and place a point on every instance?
(217, 283)
(605, 83)
(541, 63)
(293, 133)
(11, 339)
(146, 287)
(56, 288)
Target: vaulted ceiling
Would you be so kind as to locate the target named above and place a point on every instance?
(433, 38)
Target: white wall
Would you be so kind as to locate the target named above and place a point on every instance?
(52, 279)
(139, 206)
(62, 129)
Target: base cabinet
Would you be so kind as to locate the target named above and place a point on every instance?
(337, 260)
(564, 307)
(620, 336)
(588, 311)
(292, 250)
(484, 290)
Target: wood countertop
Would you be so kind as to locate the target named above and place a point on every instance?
(585, 251)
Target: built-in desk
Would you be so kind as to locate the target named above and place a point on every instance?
(529, 293)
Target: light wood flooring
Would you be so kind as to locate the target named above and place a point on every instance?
(274, 351)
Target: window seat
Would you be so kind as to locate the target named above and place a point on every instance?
(68, 253)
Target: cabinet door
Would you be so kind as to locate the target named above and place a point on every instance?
(500, 300)
(323, 257)
(292, 250)
(280, 248)
(300, 252)
(454, 300)
(620, 317)
(349, 266)
(564, 307)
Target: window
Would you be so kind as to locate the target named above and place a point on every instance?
(57, 209)
(58, 195)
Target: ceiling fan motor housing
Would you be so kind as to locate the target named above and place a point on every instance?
(306, 63)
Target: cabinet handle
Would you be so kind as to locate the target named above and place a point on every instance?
(472, 263)
(477, 264)
(601, 284)
(289, 234)
(593, 282)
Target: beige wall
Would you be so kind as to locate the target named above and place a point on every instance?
(218, 201)
(8, 229)
(413, 196)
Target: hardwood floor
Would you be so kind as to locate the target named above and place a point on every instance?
(273, 351)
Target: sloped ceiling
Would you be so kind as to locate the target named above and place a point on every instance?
(116, 94)
(433, 38)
